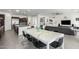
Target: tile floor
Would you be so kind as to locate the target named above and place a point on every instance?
(10, 40)
(71, 42)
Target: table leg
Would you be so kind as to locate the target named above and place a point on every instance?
(47, 46)
(62, 45)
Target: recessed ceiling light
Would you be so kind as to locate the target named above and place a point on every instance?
(9, 10)
(17, 10)
(28, 10)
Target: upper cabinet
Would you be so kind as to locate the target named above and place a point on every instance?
(23, 21)
(1, 20)
(15, 20)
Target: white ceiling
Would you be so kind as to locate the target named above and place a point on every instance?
(38, 11)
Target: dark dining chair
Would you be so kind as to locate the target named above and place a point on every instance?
(57, 44)
(24, 34)
(38, 44)
(41, 26)
(27, 36)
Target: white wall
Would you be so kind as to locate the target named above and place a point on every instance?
(57, 19)
(7, 21)
(35, 20)
(76, 23)
(40, 16)
(29, 20)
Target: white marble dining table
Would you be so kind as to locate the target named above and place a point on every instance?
(44, 36)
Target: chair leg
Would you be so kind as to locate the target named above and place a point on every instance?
(62, 46)
(23, 37)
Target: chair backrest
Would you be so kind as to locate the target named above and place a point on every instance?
(34, 40)
(32, 26)
(58, 24)
(23, 33)
(60, 41)
(28, 36)
(72, 25)
(41, 26)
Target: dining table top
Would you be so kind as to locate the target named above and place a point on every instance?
(44, 35)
